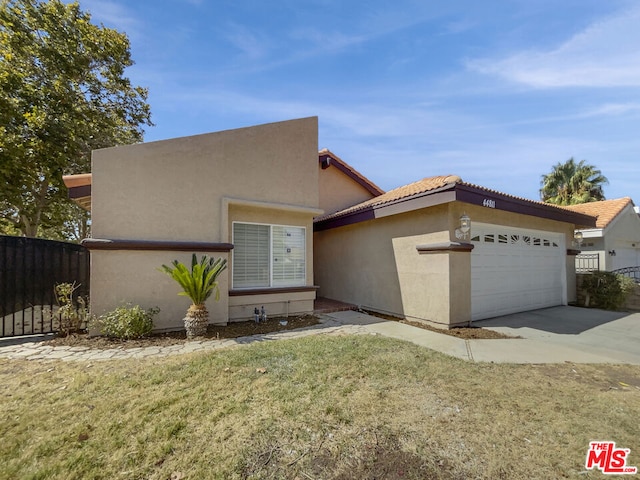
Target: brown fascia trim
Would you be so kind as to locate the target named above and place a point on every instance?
(269, 291)
(327, 160)
(425, 199)
(348, 219)
(156, 245)
(478, 196)
(445, 247)
(79, 192)
(462, 193)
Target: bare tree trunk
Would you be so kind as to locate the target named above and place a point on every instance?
(30, 225)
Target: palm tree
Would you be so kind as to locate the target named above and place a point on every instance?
(198, 284)
(570, 183)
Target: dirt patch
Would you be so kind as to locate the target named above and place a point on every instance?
(467, 333)
(602, 377)
(366, 454)
(233, 330)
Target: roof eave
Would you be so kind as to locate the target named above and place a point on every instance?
(458, 192)
(417, 201)
(351, 172)
(79, 189)
(478, 196)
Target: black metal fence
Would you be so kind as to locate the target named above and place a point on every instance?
(631, 272)
(587, 262)
(30, 268)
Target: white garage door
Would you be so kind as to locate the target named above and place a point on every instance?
(515, 270)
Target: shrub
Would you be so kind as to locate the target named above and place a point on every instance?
(73, 312)
(607, 290)
(126, 322)
(198, 284)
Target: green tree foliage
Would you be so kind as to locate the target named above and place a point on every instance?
(63, 93)
(570, 183)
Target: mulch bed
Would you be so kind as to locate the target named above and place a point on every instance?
(244, 329)
(233, 330)
(467, 333)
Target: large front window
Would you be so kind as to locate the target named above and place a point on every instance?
(268, 255)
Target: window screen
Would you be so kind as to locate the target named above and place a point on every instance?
(268, 256)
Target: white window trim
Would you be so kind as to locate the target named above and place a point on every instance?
(271, 285)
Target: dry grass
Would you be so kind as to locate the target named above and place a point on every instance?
(323, 407)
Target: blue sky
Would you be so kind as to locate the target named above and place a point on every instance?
(495, 91)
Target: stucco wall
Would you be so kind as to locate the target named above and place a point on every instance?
(172, 189)
(132, 277)
(337, 191)
(183, 190)
(375, 263)
(241, 308)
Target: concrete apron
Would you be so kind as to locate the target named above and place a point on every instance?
(550, 335)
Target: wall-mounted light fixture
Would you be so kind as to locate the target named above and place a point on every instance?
(612, 253)
(465, 227)
(577, 239)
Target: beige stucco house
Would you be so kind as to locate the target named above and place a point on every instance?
(406, 254)
(295, 222)
(614, 243)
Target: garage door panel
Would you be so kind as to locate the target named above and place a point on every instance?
(515, 270)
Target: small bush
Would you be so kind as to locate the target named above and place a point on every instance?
(607, 290)
(126, 322)
(73, 312)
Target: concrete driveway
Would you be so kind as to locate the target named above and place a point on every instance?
(560, 334)
(550, 335)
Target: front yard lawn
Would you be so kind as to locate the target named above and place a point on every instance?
(321, 407)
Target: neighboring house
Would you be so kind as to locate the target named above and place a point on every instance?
(614, 243)
(404, 253)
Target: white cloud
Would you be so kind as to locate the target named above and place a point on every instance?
(245, 40)
(613, 109)
(112, 15)
(606, 54)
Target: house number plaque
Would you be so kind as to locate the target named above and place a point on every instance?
(489, 203)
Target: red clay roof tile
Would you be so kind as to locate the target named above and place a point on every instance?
(605, 211)
(421, 186)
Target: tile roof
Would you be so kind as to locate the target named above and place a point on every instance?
(353, 173)
(605, 211)
(421, 186)
(433, 185)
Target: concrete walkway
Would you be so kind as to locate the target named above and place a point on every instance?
(34, 348)
(562, 334)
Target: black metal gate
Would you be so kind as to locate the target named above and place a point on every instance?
(30, 268)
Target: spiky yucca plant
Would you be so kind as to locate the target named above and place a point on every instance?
(198, 284)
